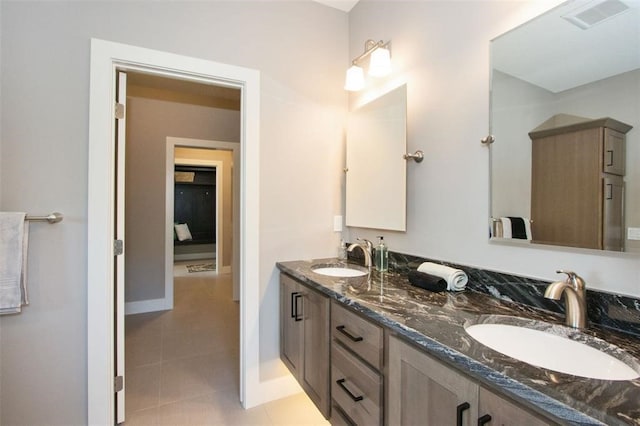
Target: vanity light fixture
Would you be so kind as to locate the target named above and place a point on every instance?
(379, 64)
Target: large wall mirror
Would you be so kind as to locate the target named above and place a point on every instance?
(565, 114)
(376, 181)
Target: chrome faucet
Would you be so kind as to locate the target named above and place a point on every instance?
(367, 249)
(575, 297)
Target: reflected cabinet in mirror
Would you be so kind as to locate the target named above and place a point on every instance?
(376, 172)
(565, 114)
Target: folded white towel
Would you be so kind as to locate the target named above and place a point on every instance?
(456, 279)
(14, 242)
(508, 227)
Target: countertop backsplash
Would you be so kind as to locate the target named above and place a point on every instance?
(618, 312)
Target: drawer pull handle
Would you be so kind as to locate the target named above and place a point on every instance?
(344, 388)
(484, 420)
(353, 338)
(610, 162)
(459, 410)
(293, 303)
(609, 195)
(296, 297)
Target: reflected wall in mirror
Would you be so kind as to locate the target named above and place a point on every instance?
(561, 85)
(376, 171)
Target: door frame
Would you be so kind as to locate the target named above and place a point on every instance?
(234, 147)
(218, 168)
(106, 57)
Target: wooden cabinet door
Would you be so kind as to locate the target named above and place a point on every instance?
(613, 232)
(291, 319)
(566, 189)
(614, 152)
(423, 391)
(315, 371)
(505, 413)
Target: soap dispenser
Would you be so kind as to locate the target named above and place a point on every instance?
(381, 258)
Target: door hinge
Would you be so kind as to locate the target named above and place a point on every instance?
(119, 111)
(118, 383)
(118, 247)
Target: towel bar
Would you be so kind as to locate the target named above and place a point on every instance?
(493, 219)
(54, 217)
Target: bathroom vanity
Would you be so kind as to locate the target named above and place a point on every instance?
(400, 355)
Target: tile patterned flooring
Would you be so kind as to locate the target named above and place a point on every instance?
(182, 365)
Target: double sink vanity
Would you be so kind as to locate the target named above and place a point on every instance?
(372, 349)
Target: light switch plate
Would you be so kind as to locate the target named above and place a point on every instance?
(633, 233)
(337, 223)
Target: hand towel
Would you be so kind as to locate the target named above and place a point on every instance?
(427, 281)
(14, 242)
(516, 228)
(456, 279)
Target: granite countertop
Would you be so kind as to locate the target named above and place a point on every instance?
(436, 322)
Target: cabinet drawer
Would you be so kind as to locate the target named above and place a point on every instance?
(359, 335)
(355, 387)
(338, 418)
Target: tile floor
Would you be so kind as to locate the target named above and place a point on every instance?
(182, 365)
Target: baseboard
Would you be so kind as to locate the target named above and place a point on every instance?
(226, 269)
(144, 306)
(193, 256)
(272, 390)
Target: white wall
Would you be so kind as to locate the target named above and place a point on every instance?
(301, 50)
(441, 49)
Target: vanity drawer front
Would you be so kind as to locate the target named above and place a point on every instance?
(355, 387)
(359, 335)
(338, 418)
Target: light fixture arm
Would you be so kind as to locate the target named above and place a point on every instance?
(369, 47)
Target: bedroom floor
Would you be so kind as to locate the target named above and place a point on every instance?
(182, 365)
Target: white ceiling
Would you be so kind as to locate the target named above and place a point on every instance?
(554, 54)
(344, 5)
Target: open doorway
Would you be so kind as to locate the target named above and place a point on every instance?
(102, 301)
(182, 341)
(220, 156)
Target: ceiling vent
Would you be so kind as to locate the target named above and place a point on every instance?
(595, 12)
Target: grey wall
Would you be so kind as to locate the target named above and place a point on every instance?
(516, 106)
(301, 50)
(441, 50)
(149, 122)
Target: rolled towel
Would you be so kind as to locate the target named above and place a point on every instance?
(427, 281)
(456, 279)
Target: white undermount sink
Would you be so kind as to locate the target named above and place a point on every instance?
(339, 270)
(555, 352)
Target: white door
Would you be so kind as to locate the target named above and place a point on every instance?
(120, 108)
